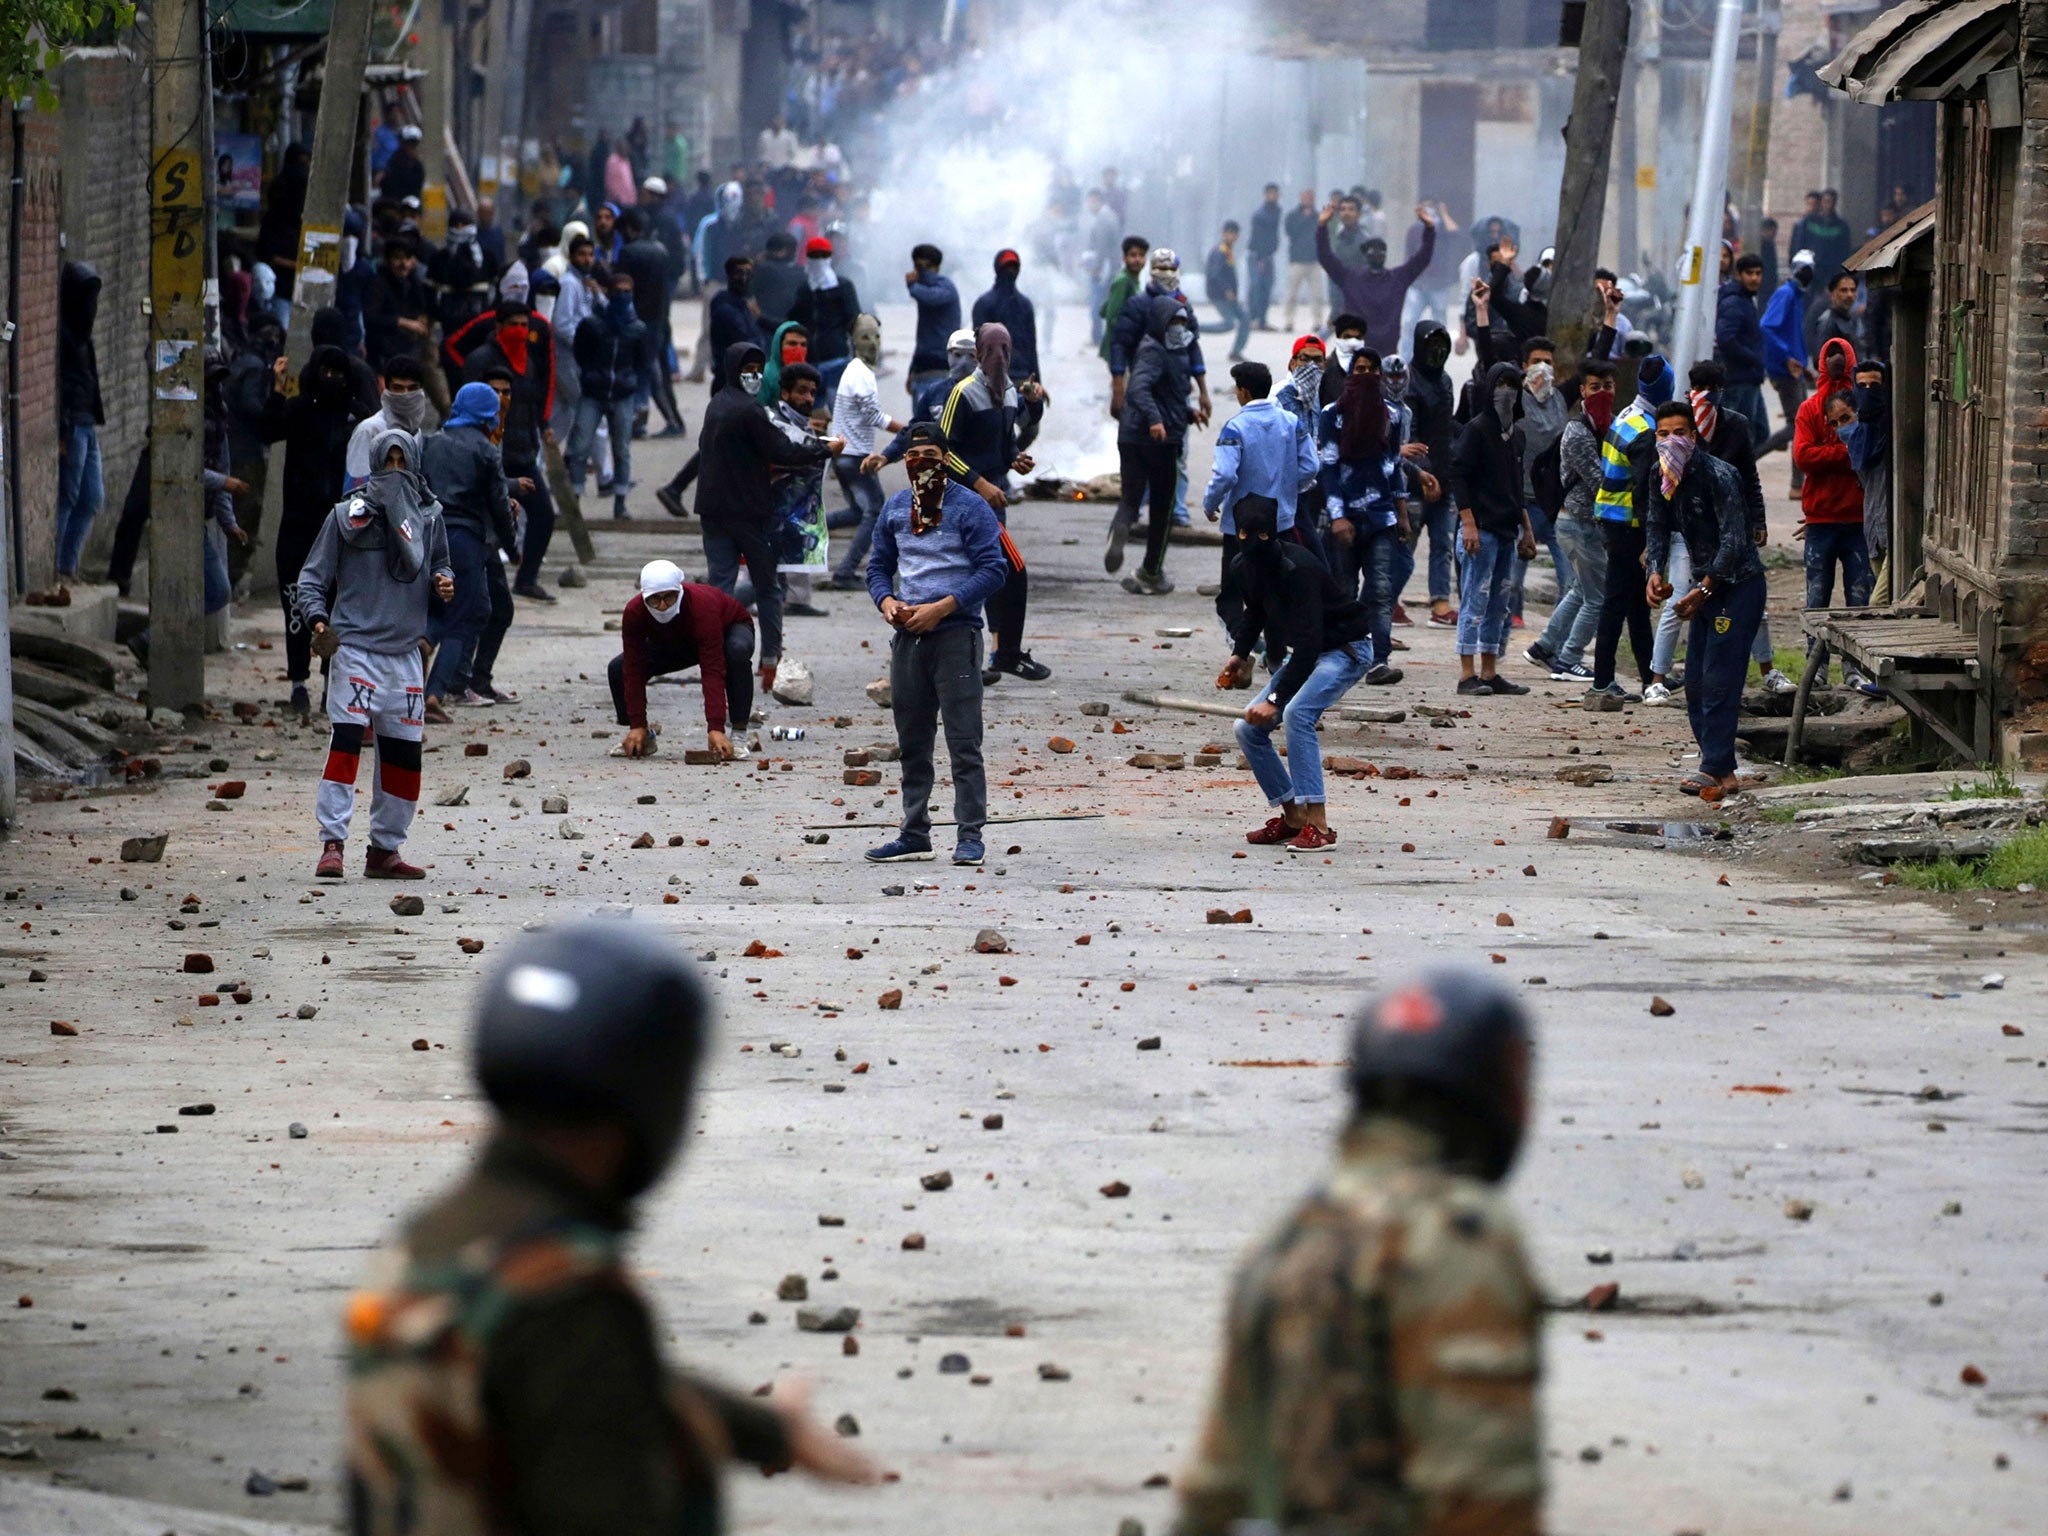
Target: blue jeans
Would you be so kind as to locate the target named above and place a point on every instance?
(459, 623)
(1386, 562)
(213, 564)
(1665, 652)
(1546, 536)
(1440, 519)
(539, 507)
(1300, 777)
(618, 416)
(1483, 599)
(1747, 400)
(864, 495)
(1235, 314)
(1576, 619)
(80, 492)
(1717, 657)
(1827, 543)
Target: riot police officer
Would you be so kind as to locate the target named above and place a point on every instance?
(1381, 1353)
(503, 1369)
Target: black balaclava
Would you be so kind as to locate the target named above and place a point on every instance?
(1431, 347)
(1376, 255)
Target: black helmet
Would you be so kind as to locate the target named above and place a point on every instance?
(595, 1024)
(1463, 1040)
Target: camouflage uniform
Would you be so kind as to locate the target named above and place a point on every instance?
(1381, 1361)
(504, 1376)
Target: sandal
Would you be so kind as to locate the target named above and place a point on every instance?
(1697, 783)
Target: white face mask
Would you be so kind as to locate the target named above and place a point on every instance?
(751, 383)
(1345, 348)
(665, 615)
(1540, 379)
(1178, 336)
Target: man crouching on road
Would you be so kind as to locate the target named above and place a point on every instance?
(672, 625)
(364, 591)
(1282, 586)
(938, 557)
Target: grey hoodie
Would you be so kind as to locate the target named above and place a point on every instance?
(348, 581)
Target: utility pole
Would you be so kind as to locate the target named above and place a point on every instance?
(327, 177)
(1769, 20)
(1582, 199)
(334, 148)
(180, 160)
(1699, 269)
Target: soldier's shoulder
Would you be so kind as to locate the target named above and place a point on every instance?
(1433, 1209)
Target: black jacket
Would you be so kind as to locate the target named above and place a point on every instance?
(733, 323)
(646, 261)
(388, 302)
(1156, 389)
(737, 447)
(1431, 400)
(609, 353)
(1486, 469)
(466, 472)
(1296, 594)
(1733, 445)
(1708, 513)
(314, 426)
(775, 289)
(78, 363)
(827, 314)
(532, 394)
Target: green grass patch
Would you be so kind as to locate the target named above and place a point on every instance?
(1780, 814)
(1809, 773)
(2021, 860)
(1789, 659)
(1997, 784)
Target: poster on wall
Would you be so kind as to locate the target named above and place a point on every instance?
(238, 172)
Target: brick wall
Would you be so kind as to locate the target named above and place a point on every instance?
(106, 157)
(34, 451)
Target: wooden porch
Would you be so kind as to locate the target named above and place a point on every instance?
(1929, 665)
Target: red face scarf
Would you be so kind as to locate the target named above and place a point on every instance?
(512, 342)
(1706, 415)
(1600, 411)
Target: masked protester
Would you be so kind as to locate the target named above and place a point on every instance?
(1432, 407)
(1831, 498)
(739, 449)
(315, 426)
(1698, 498)
(1576, 618)
(1278, 583)
(1366, 492)
(1004, 304)
(363, 593)
(1266, 450)
(1628, 454)
(402, 404)
(989, 421)
(464, 467)
(930, 402)
(938, 557)
(1486, 481)
(610, 344)
(857, 416)
(734, 319)
(669, 626)
(1357, 1390)
(826, 307)
(1870, 453)
(1375, 290)
(938, 316)
(503, 1367)
(1150, 436)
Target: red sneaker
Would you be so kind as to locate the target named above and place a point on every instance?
(385, 864)
(1310, 839)
(1401, 619)
(329, 867)
(1275, 830)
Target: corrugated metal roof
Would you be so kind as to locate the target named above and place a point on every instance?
(1884, 250)
(1926, 49)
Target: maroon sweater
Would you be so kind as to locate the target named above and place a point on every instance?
(695, 637)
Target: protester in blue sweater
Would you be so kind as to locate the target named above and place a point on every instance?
(1786, 364)
(938, 558)
(1739, 339)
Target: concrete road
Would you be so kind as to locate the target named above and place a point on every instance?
(1762, 1374)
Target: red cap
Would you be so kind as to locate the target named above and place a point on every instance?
(1303, 341)
(1008, 258)
(818, 246)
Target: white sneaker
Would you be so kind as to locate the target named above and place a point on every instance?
(1657, 693)
(1777, 682)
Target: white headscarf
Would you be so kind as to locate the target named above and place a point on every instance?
(515, 284)
(661, 576)
(819, 274)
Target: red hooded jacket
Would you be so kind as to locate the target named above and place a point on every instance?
(1833, 493)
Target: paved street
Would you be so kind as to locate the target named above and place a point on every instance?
(1760, 1373)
